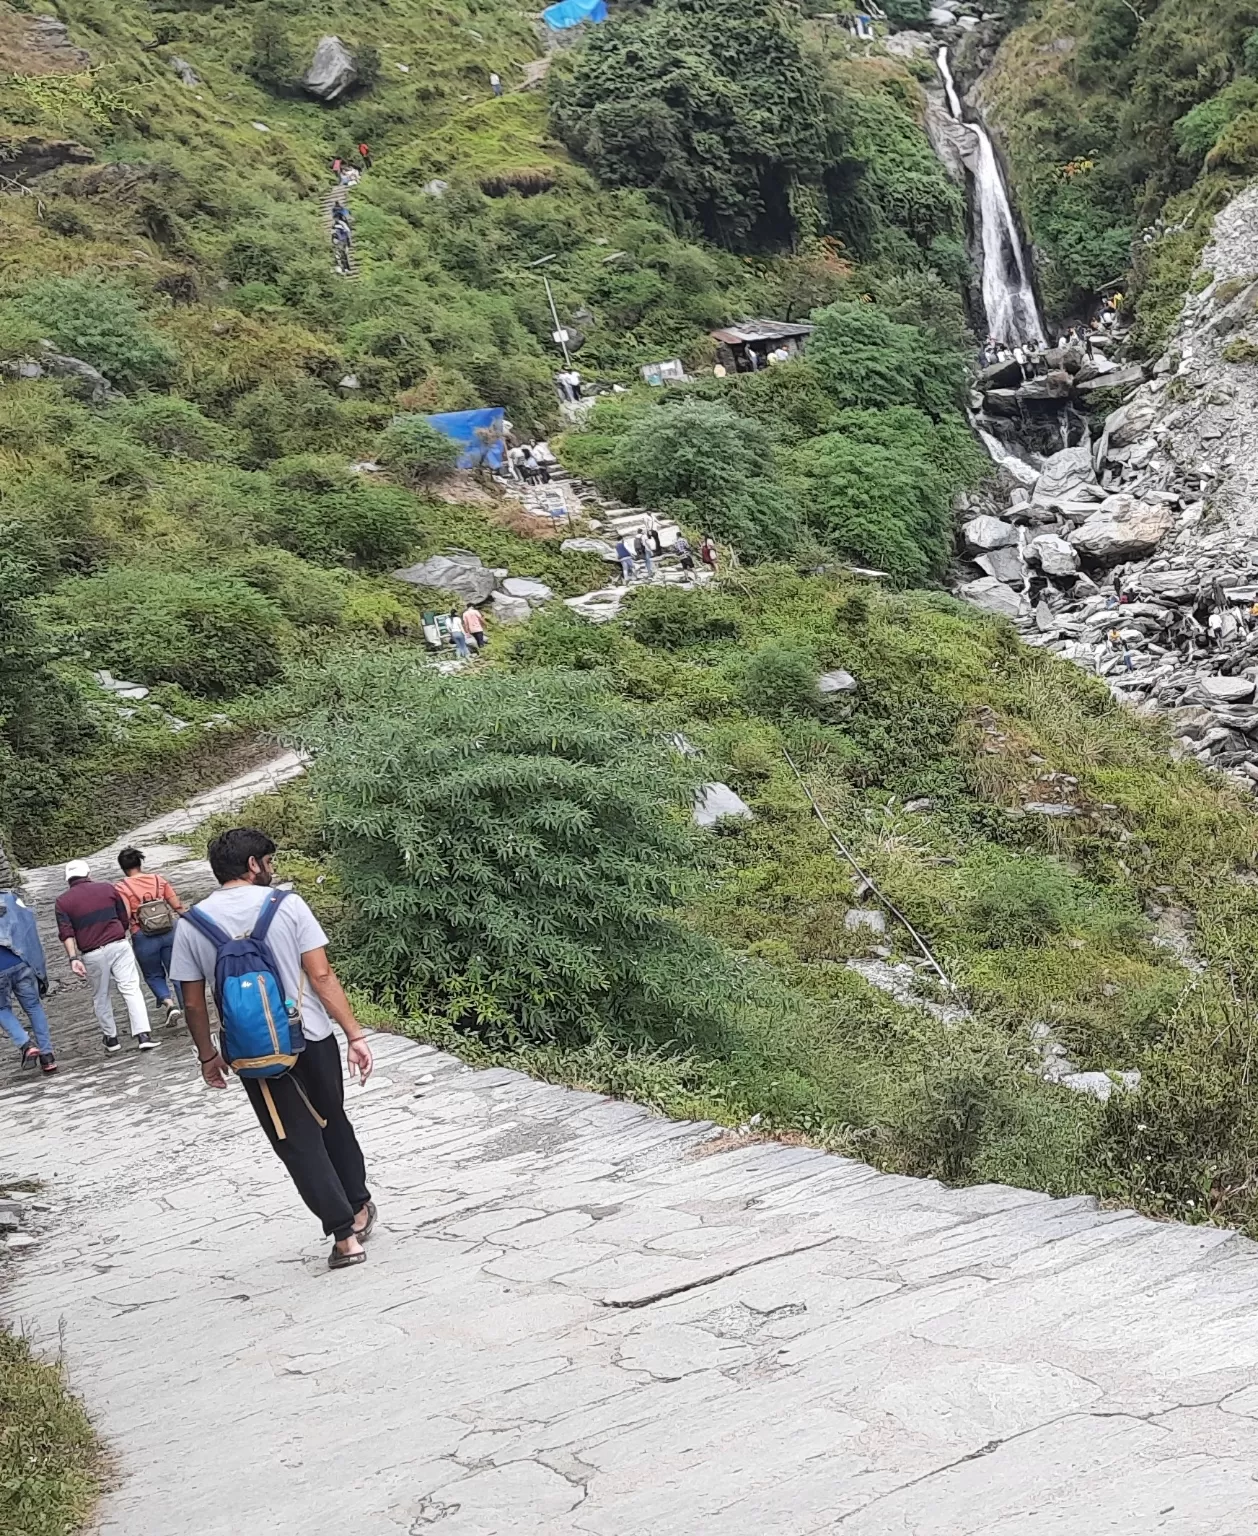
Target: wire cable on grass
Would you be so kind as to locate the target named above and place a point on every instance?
(870, 884)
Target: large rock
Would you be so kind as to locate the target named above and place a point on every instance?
(510, 610)
(525, 587)
(717, 800)
(599, 547)
(465, 574)
(332, 71)
(1055, 555)
(1004, 564)
(837, 681)
(1063, 475)
(1125, 426)
(1123, 529)
(994, 596)
(185, 71)
(1116, 376)
(1228, 690)
(984, 533)
(83, 380)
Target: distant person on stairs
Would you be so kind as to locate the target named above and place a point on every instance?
(303, 1110)
(341, 239)
(474, 626)
(653, 533)
(153, 905)
(495, 82)
(458, 637)
(93, 923)
(643, 551)
(707, 553)
(681, 548)
(625, 556)
(24, 980)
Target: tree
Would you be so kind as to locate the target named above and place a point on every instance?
(715, 105)
(512, 851)
(272, 61)
(704, 464)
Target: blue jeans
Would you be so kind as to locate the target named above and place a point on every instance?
(153, 952)
(26, 989)
(648, 563)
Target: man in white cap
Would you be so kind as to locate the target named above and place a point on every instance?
(93, 924)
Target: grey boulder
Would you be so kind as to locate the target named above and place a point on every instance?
(837, 681)
(525, 587)
(465, 574)
(994, 597)
(1228, 690)
(185, 71)
(1055, 555)
(599, 547)
(510, 610)
(332, 71)
(987, 533)
(1004, 564)
(717, 800)
(1123, 529)
(1063, 474)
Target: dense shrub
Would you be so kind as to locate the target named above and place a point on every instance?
(781, 679)
(674, 620)
(212, 635)
(414, 450)
(512, 853)
(864, 359)
(101, 322)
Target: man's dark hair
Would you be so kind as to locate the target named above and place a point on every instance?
(230, 852)
(129, 860)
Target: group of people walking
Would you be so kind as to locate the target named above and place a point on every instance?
(347, 175)
(464, 631)
(112, 934)
(531, 463)
(645, 548)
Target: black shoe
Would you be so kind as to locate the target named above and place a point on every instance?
(28, 1055)
(145, 1042)
(47, 1063)
(112, 1044)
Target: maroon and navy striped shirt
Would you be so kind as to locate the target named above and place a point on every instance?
(93, 914)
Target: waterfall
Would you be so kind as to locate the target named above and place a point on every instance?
(1013, 316)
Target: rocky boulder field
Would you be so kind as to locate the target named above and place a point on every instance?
(1134, 555)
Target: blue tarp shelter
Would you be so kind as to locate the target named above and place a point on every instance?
(571, 13)
(479, 435)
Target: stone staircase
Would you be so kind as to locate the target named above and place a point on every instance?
(330, 198)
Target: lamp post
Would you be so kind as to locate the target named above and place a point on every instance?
(558, 335)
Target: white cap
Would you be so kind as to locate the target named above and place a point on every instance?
(78, 869)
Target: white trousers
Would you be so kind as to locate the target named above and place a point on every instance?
(116, 962)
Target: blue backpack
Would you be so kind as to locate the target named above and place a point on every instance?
(261, 1037)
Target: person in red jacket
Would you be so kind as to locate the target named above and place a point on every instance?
(93, 924)
(364, 153)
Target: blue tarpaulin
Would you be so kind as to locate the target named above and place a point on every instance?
(479, 435)
(571, 13)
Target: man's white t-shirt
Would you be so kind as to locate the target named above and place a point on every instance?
(294, 931)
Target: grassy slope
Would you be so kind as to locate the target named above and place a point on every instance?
(49, 1456)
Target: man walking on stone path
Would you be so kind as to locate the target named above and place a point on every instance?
(153, 905)
(643, 551)
(93, 923)
(23, 978)
(302, 1111)
(625, 556)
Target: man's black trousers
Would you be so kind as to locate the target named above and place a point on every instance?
(325, 1162)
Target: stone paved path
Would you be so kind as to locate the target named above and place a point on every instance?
(580, 1319)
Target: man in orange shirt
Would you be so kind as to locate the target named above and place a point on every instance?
(153, 904)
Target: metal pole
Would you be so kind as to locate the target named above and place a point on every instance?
(554, 315)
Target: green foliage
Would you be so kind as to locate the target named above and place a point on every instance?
(101, 322)
(272, 59)
(865, 359)
(716, 106)
(708, 466)
(512, 855)
(211, 635)
(781, 679)
(414, 450)
(50, 1457)
(1021, 902)
(675, 620)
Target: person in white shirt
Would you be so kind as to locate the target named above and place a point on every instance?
(317, 1145)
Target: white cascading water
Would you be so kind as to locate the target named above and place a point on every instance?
(1013, 316)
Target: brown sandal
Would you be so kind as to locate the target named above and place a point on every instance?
(339, 1260)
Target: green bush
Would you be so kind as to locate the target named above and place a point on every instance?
(173, 426)
(781, 679)
(674, 620)
(1021, 903)
(325, 513)
(865, 359)
(414, 450)
(211, 635)
(512, 854)
(101, 322)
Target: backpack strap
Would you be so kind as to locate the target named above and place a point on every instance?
(267, 912)
(206, 927)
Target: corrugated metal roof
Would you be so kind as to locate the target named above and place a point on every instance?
(762, 330)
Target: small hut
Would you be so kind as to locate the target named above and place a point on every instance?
(751, 345)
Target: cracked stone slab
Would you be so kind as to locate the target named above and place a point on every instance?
(581, 1319)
